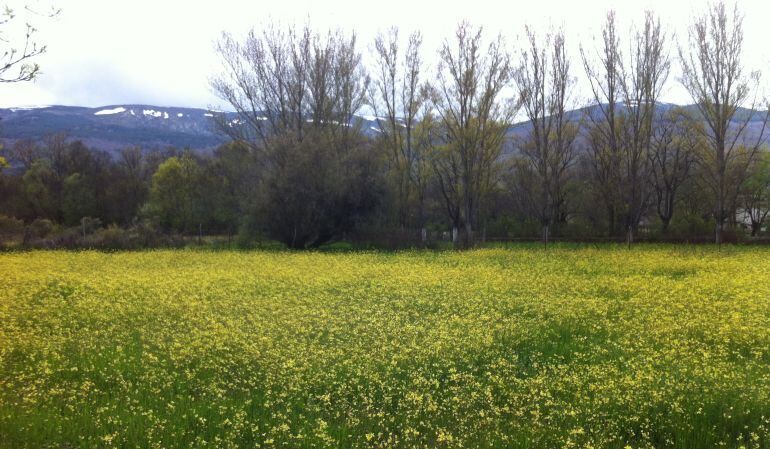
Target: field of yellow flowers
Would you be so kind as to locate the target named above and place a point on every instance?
(653, 347)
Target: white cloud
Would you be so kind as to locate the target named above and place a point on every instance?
(162, 53)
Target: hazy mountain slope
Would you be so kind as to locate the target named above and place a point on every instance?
(114, 127)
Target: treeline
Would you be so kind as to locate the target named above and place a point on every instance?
(445, 160)
(63, 192)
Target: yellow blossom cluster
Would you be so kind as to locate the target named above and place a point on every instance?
(518, 347)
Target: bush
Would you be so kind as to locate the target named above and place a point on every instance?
(112, 237)
(70, 238)
(138, 236)
(40, 229)
(366, 237)
(577, 230)
(89, 225)
(248, 233)
(10, 229)
(144, 235)
(691, 228)
(507, 227)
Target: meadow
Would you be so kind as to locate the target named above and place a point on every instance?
(573, 347)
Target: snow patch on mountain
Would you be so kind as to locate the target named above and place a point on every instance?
(28, 108)
(117, 110)
(117, 126)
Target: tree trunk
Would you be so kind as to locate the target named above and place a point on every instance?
(755, 228)
(718, 237)
(665, 222)
(468, 238)
(720, 212)
(611, 220)
(630, 235)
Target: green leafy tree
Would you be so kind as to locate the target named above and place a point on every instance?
(756, 193)
(231, 189)
(39, 183)
(319, 193)
(174, 194)
(78, 199)
(129, 186)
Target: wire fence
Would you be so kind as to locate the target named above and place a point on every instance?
(416, 238)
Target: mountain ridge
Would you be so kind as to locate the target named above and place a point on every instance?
(114, 127)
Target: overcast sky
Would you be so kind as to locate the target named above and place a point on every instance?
(161, 52)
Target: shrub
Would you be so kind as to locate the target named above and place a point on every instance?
(112, 237)
(89, 225)
(692, 228)
(10, 228)
(70, 238)
(40, 229)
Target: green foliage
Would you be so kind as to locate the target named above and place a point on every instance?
(174, 193)
(40, 189)
(318, 190)
(40, 228)
(510, 227)
(756, 192)
(10, 228)
(231, 190)
(691, 226)
(79, 199)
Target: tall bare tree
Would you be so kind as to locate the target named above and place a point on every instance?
(714, 75)
(604, 128)
(544, 82)
(644, 76)
(474, 119)
(295, 92)
(626, 131)
(26, 152)
(289, 81)
(399, 101)
(673, 148)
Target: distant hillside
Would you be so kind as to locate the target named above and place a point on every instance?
(114, 127)
(750, 134)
